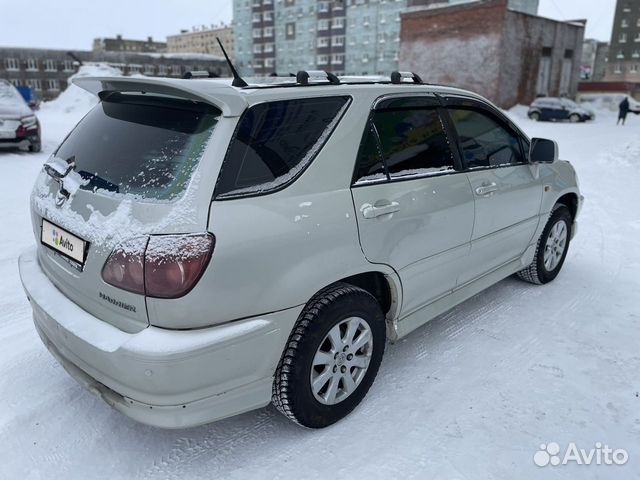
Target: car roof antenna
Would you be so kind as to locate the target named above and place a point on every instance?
(237, 79)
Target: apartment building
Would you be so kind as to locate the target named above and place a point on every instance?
(353, 37)
(47, 71)
(202, 40)
(120, 44)
(624, 51)
(44, 70)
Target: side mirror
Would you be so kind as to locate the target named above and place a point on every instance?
(543, 151)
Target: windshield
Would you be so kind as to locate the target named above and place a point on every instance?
(140, 145)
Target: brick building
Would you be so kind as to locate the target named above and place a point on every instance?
(202, 40)
(510, 57)
(128, 45)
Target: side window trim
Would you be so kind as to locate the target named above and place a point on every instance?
(504, 123)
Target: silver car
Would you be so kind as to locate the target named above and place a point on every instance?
(204, 249)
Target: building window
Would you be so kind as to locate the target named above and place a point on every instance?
(32, 65)
(257, 18)
(636, 54)
(268, 16)
(289, 3)
(257, 48)
(257, 33)
(50, 66)
(162, 70)
(624, 23)
(323, 42)
(637, 37)
(337, 41)
(323, 25)
(337, 23)
(149, 69)
(269, 63)
(620, 55)
(337, 59)
(268, 32)
(617, 69)
(53, 85)
(323, 59)
(290, 31)
(633, 68)
(68, 66)
(134, 69)
(268, 47)
(12, 64)
(323, 7)
(623, 37)
(34, 84)
(176, 70)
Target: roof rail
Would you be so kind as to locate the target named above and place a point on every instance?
(199, 74)
(303, 77)
(398, 77)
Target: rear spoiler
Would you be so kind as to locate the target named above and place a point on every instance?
(225, 97)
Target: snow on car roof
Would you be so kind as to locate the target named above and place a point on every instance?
(9, 95)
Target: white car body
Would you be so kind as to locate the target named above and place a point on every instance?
(212, 353)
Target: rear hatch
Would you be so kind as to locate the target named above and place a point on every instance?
(130, 168)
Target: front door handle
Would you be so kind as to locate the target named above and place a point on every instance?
(487, 189)
(371, 211)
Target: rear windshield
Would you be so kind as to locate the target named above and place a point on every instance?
(140, 145)
(275, 142)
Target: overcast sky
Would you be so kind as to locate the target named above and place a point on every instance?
(73, 24)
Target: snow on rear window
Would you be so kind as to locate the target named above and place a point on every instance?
(140, 145)
(275, 142)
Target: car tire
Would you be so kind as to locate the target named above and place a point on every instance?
(535, 116)
(311, 386)
(36, 147)
(574, 118)
(552, 248)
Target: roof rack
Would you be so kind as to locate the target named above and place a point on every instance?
(303, 77)
(320, 77)
(398, 77)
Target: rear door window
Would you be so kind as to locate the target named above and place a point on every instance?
(404, 142)
(140, 145)
(274, 143)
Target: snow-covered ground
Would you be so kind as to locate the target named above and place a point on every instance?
(471, 395)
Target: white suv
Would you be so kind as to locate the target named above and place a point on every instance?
(204, 249)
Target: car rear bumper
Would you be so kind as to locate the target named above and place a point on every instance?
(23, 142)
(160, 377)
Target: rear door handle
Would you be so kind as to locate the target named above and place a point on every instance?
(487, 189)
(371, 211)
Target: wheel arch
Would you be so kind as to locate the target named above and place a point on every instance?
(569, 200)
(384, 286)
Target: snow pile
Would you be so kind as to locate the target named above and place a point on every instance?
(75, 100)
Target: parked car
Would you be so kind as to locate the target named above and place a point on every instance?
(555, 109)
(204, 249)
(19, 127)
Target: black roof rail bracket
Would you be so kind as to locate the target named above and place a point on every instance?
(398, 77)
(303, 77)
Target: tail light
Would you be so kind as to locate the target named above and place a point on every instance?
(161, 266)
